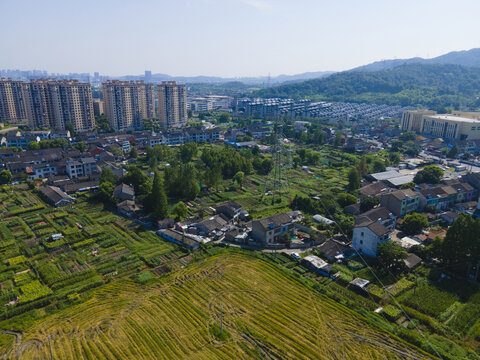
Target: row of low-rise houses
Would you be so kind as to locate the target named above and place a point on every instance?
(272, 107)
(43, 163)
(375, 226)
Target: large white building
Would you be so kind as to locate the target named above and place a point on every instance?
(446, 126)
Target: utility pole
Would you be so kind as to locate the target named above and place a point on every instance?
(221, 318)
(50, 345)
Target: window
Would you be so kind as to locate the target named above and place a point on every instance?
(361, 242)
(362, 233)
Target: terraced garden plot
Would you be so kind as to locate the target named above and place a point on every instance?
(267, 314)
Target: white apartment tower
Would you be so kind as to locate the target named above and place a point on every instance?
(127, 103)
(51, 103)
(172, 104)
(12, 106)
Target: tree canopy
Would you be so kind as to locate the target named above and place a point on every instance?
(353, 179)
(391, 255)
(460, 250)
(5, 176)
(413, 223)
(431, 85)
(430, 174)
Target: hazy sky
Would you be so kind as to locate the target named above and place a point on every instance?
(228, 37)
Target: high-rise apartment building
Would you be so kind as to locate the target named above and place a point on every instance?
(127, 103)
(12, 106)
(51, 103)
(37, 104)
(172, 104)
(148, 76)
(98, 107)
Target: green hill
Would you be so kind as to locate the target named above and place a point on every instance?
(430, 85)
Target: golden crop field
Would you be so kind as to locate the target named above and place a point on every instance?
(266, 315)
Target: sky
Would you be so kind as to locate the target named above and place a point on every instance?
(228, 38)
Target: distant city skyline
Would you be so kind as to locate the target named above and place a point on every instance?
(228, 38)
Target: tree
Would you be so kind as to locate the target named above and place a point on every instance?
(101, 123)
(430, 174)
(396, 146)
(181, 181)
(188, 151)
(409, 185)
(180, 210)
(368, 202)
(133, 153)
(69, 126)
(105, 192)
(80, 146)
(460, 250)
(33, 145)
(414, 222)
(266, 166)
(115, 150)
(378, 166)
(239, 178)
(157, 199)
(137, 179)
(391, 255)
(107, 175)
(453, 152)
(408, 136)
(353, 180)
(394, 157)
(212, 176)
(346, 199)
(5, 177)
(338, 139)
(362, 166)
(223, 118)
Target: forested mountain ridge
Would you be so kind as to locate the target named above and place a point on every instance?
(469, 58)
(431, 85)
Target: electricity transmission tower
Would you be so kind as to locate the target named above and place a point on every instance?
(277, 183)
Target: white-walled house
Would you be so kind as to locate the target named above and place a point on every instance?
(372, 228)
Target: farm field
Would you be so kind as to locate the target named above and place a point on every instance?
(266, 314)
(90, 246)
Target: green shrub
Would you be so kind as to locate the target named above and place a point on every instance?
(465, 318)
(143, 278)
(391, 312)
(219, 334)
(430, 299)
(400, 286)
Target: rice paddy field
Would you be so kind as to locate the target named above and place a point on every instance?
(265, 315)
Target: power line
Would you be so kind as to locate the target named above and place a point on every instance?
(380, 281)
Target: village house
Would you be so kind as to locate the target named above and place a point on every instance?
(213, 227)
(401, 202)
(124, 192)
(128, 208)
(371, 229)
(230, 209)
(179, 238)
(55, 196)
(271, 229)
